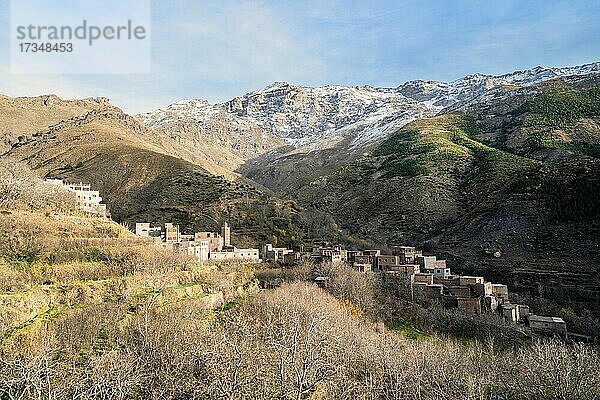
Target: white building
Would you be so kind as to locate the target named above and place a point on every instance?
(88, 200)
(197, 248)
(236, 254)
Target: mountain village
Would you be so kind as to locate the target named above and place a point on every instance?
(300, 200)
(407, 269)
(412, 273)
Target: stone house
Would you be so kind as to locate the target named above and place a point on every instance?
(384, 262)
(510, 312)
(471, 305)
(426, 262)
(523, 311)
(481, 289)
(352, 255)
(441, 272)
(363, 263)
(403, 271)
(329, 254)
(425, 278)
(548, 325)
(450, 302)
(171, 233)
(471, 280)
(490, 303)
(274, 253)
(448, 281)
(215, 240)
(433, 291)
(459, 291)
(500, 292)
(406, 254)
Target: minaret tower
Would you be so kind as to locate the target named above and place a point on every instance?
(226, 234)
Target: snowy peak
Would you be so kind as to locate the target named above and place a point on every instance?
(320, 116)
(301, 115)
(277, 86)
(440, 95)
(540, 74)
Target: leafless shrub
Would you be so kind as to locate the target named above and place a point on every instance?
(550, 369)
(21, 187)
(294, 342)
(346, 283)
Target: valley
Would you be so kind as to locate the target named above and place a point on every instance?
(482, 165)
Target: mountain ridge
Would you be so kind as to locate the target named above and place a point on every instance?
(283, 119)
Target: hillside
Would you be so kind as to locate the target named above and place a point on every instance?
(557, 121)
(211, 134)
(100, 314)
(284, 136)
(143, 176)
(459, 184)
(114, 153)
(20, 117)
(508, 166)
(89, 310)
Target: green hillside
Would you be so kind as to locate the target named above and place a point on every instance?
(471, 185)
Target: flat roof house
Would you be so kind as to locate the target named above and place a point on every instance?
(548, 325)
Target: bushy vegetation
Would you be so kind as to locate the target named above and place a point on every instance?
(422, 149)
(292, 343)
(568, 189)
(22, 188)
(543, 140)
(575, 199)
(100, 315)
(492, 164)
(561, 109)
(408, 168)
(52, 264)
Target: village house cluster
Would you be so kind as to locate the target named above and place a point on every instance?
(407, 268)
(418, 275)
(215, 246)
(87, 200)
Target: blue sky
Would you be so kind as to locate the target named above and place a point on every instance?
(217, 50)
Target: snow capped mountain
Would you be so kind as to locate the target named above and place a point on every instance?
(441, 95)
(317, 118)
(302, 116)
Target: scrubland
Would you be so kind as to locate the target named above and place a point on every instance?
(89, 311)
